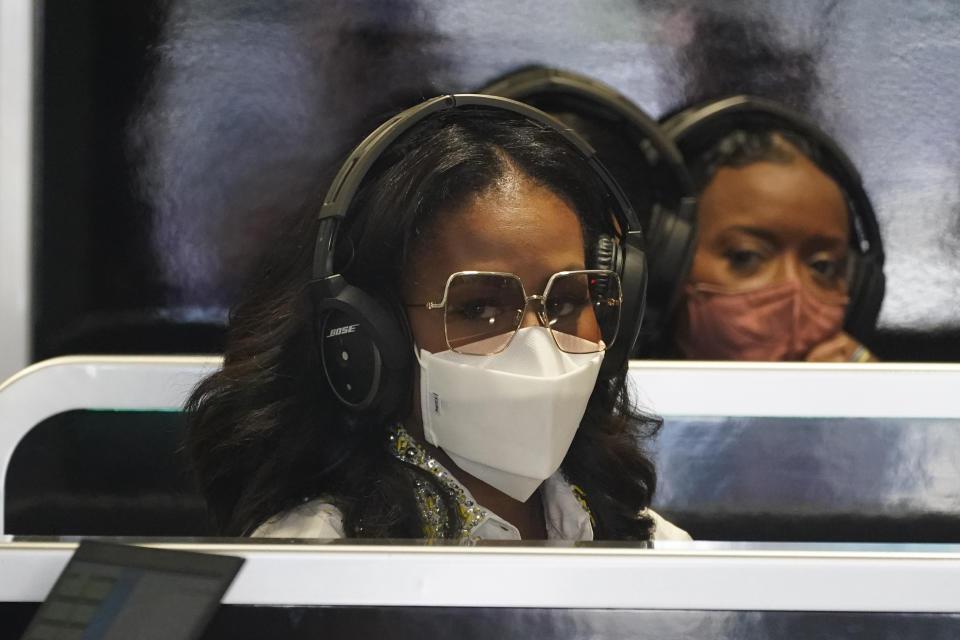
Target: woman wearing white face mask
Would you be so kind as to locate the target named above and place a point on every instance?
(475, 230)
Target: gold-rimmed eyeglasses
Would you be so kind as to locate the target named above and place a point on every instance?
(482, 310)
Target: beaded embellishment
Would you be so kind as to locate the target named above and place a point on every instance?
(403, 446)
(435, 519)
(582, 499)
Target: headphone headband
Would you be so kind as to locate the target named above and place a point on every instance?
(348, 179)
(543, 86)
(642, 158)
(696, 129)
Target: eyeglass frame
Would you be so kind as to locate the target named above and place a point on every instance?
(541, 317)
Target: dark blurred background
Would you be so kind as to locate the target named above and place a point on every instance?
(173, 137)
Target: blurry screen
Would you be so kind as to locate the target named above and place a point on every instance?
(810, 479)
(96, 284)
(173, 138)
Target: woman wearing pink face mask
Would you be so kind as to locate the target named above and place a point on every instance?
(782, 268)
(769, 276)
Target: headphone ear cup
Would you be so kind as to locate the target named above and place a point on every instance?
(866, 287)
(364, 353)
(672, 241)
(627, 259)
(605, 254)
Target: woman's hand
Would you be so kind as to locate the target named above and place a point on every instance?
(840, 348)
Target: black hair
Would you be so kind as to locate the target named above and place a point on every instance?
(743, 147)
(265, 433)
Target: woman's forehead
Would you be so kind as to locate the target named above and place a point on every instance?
(794, 197)
(520, 228)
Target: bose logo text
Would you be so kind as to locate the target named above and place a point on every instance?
(339, 331)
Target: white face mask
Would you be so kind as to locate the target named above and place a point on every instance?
(507, 419)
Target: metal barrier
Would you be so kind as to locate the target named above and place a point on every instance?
(807, 452)
(747, 452)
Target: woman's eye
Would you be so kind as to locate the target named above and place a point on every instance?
(743, 259)
(828, 268)
(479, 310)
(565, 306)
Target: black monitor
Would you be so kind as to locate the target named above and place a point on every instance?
(118, 592)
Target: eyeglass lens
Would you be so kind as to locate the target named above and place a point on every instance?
(483, 311)
(583, 311)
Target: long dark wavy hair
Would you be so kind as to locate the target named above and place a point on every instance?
(265, 433)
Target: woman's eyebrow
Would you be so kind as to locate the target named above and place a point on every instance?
(767, 235)
(761, 233)
(821, 241)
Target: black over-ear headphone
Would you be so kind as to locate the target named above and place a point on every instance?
(671, 233)
(364, 347)
(697, 129)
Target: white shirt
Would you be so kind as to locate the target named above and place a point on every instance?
(566, 517)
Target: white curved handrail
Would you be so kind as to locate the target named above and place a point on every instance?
(796, 389)
(668, 388)
(682, 576)
(92, 382)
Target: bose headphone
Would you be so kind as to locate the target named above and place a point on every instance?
(697, 129)
(671, 233)
(363, 345)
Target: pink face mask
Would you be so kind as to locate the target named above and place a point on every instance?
(778, 322)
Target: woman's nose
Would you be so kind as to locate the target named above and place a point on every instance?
(789, 268)
(530, 318)
(533, 314)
